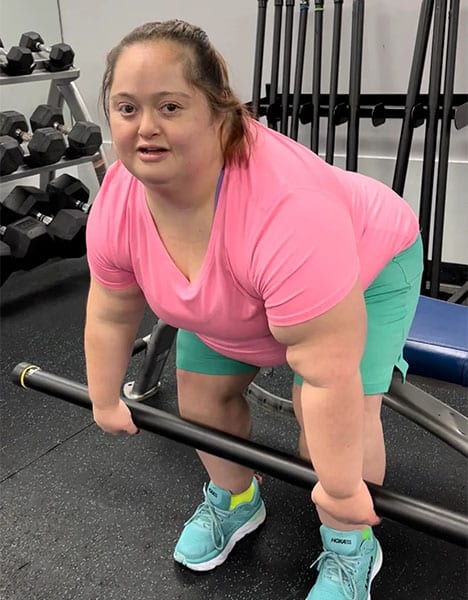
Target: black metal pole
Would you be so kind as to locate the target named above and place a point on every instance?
(441, 187)
(442, 523)
(316, 75)
(275, 60)
(430, 139)
(301, 42)
(414, 86)
(258, 64)
(355, 85)
(287, 56)
(334, 71)
(158, 347)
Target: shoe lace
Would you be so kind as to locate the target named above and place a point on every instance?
(209, 516)
(339, 568)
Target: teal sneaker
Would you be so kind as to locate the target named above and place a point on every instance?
(349, 562)
(211, 533)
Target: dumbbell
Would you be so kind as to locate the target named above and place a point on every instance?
(67, 191)
(7, 262)
(26, 242)
(67, 226)
(11, 155)
(20, 202)
(46, 146)
(60, 55)
(17, 61)
(29, 242)
(84, 138)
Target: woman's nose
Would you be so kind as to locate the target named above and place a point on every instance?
(149, 124)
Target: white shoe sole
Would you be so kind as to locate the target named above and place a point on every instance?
(377, 567)
(250, 526)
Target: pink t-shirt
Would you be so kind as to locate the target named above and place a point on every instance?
(290, 236)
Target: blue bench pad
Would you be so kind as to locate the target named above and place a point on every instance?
(437, 344)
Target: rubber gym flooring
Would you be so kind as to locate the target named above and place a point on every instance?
(87, 516)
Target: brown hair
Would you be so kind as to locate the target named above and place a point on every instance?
(204, 69)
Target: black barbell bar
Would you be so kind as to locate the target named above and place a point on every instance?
(258, 62)
(444, 144)
(299, 72)
(287, 60)
(316, 75)
(334, 73)
(357, 33)
(275, 60)
(423, 516)
(414, 86)
(430, 138)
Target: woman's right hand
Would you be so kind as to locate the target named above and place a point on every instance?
(115, 418)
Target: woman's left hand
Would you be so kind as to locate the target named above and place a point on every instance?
(357, 509)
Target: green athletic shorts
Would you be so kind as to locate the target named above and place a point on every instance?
(391, 301)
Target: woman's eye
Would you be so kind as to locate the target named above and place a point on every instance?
(170, 107)
(126, 109)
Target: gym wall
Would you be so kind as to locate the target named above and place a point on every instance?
(92, 28)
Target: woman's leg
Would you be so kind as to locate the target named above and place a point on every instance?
(217, 401)
(233, 506)
(296, 401)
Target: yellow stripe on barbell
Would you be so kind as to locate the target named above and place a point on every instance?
(24, 372)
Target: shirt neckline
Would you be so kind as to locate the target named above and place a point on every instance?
(209, 250)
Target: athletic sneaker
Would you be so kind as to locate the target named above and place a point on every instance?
(211, 533)
(349, 562)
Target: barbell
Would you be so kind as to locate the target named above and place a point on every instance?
(423, 516)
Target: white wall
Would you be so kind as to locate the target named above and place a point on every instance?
(93, 27)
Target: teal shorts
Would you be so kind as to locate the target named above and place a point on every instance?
(391, 302)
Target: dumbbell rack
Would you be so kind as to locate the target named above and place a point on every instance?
(62, 90)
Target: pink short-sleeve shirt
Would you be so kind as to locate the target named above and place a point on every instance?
(291, 235)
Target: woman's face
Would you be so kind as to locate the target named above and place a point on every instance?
(162, 128)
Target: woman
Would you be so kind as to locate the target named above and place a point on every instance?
(261, 254)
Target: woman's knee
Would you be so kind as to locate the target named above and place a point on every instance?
(198, 393)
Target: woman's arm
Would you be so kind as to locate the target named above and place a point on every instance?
(326, 352)
(112, 321)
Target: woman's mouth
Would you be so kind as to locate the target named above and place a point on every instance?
(152, 152)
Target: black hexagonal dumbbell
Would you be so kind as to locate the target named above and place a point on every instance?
(8, 263)
(46, 146)
(67, 226)
(20, 202)
(84, 138)
(29, 242)
(27, 239)
(66, 191)
(60, 56)
(17, 61)
(11, 155)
